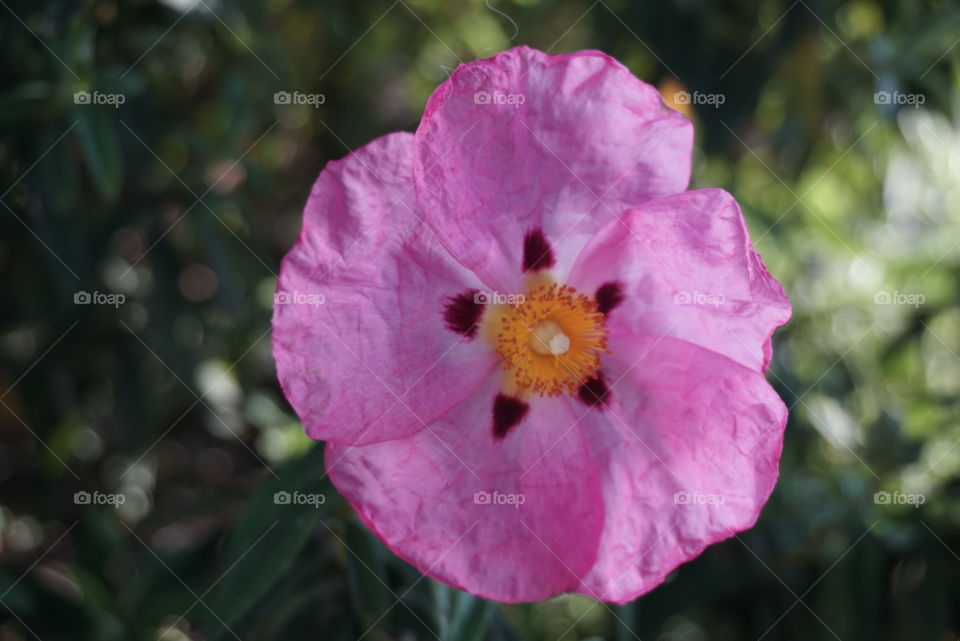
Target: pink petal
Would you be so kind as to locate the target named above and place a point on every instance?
(681, 419)
(417, 494)
(375, 360)
(687, 269)
(588, 141)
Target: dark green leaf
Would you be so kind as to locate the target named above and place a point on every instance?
(470, 617)
(267, 539)
(367, 569)
(100, 146)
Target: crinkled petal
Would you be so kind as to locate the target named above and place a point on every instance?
(688, 449)
(525, 140)
(418, 495)
(362, 350)
(687, 269)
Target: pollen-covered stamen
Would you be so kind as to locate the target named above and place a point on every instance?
(552, 341)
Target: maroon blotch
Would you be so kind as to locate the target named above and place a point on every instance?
(594, 391)
(608, 296)
(537, 253)
(463, 312)
(507, 413)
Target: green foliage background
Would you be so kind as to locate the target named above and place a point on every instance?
(185, 197)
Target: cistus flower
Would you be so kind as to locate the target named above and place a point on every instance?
(539, 362)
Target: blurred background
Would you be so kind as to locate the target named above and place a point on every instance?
(152, 179)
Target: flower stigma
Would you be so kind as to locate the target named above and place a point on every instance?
(550, 341)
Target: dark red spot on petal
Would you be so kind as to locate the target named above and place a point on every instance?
(463, 312)
(594, 391)
(537, 253)
(608, 296)
(507, 413)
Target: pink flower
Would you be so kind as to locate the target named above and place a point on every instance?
(537, 360)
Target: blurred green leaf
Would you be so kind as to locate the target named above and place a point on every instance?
(24, 100)
(460, 615)
(267, 539)
(469, 617)
(367, 571)
(100, 146)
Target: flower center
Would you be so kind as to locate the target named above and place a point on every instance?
(551, 341)
(548, 338)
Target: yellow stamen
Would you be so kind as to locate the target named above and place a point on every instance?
(550, 342)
